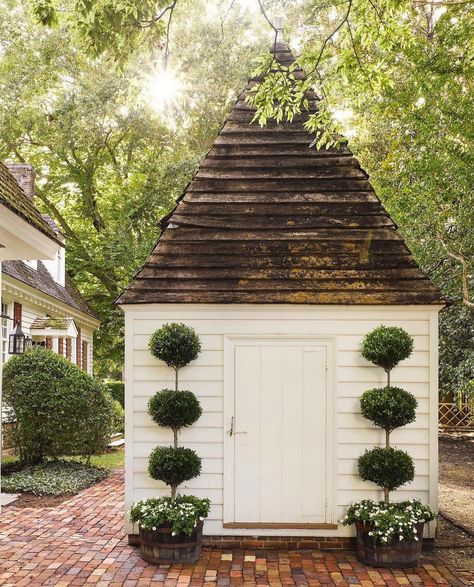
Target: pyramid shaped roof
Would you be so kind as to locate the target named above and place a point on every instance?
(269, 219)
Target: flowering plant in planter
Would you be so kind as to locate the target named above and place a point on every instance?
(389, 520)
(183, 514)
(170, 528)
(388, 534)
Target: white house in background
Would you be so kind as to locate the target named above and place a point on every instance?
(42, 298)
(24, 234)
(282, 258)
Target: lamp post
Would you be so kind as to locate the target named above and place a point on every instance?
(17, 341)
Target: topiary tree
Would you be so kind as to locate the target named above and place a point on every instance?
(386, 346)
(59, 409)
(177, 345)
(389, 408)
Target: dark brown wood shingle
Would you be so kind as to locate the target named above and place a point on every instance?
(269, 219)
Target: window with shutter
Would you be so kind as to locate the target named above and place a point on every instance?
(78, 348)
(17, 312)
(84, 355)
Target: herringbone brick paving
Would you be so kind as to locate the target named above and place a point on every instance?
(82, 542)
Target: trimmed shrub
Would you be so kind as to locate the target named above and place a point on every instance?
(176, 344)
(386, 467)
(174, 409)
(388, 407)
(117, 391)
(60, 409)
(173, 465)
(119, 417)
(53, 478)
(386, 346)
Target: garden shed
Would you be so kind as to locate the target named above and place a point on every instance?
(282, 258)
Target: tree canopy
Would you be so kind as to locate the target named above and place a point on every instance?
(395, 77)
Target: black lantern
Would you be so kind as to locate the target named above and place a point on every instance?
(16, 341)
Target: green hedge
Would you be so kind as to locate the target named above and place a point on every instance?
(60, 410)
(117, 391)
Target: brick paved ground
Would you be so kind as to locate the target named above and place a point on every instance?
(81, 542)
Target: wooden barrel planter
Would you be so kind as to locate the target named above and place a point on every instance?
(397, 553)
(160, 547)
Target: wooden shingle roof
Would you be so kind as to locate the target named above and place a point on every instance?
(267, 219)
(12, 196)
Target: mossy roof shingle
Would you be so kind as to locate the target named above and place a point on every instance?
(14, 198)
(269, 219)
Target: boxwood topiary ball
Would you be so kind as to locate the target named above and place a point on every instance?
(386, 467)
(388, 407)
(174, 409)
(386, 346)
(173, 465)
(176, 344)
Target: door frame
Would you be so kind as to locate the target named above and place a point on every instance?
(230, 343)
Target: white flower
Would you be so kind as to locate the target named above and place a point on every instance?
(416, 538)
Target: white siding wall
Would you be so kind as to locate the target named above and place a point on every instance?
(347, 325)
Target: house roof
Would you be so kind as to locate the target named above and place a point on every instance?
(49, 322)
(269, 219)
(49, 326)
(14, 198)
(42, 280)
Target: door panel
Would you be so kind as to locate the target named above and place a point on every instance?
(279, 433)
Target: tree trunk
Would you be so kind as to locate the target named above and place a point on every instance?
(386, 495)
(173, 493)
(175, 437)
(388, 377)
(176, 379)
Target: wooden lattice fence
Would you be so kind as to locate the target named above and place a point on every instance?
(456, 416)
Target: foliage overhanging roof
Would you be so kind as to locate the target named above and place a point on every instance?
(268, 219)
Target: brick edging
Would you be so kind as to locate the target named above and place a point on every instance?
(272, 542)
(281, 542)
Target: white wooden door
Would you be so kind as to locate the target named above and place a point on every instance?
(279, 432)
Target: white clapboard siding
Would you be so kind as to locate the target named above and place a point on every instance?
(353, 358)
(265, 326)
(205, 480)
(346, 497)
(343, 325)
(210, 342)
(372, 376)
(192, 373)
(205, 359)
(154, 433)
(356, 389)
(354, 450)
(200, 388)
(354, 482)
